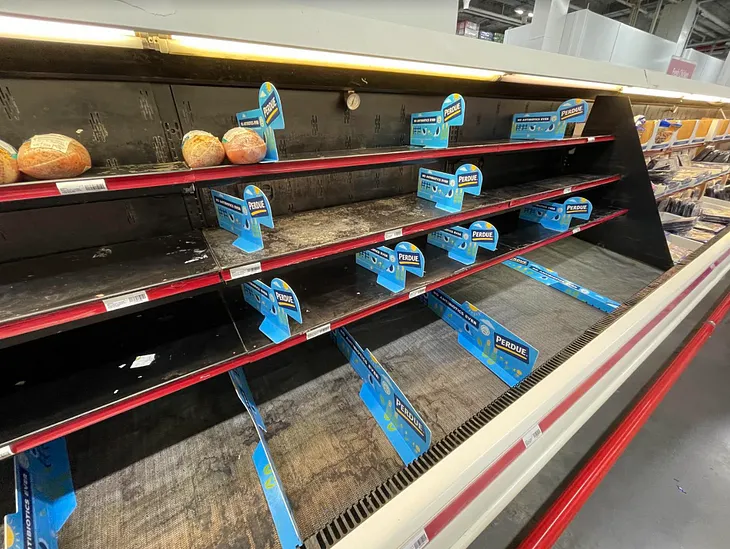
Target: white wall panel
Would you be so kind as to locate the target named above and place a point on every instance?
(636, 48)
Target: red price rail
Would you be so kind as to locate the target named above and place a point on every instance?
(150, 176)
(129, 361)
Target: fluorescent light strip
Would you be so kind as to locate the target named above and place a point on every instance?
(652, 92)
(674, 95)
(211, 47)
(564, 82)
(53, 31)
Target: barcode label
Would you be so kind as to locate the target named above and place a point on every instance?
(318, 331)
(421, 540)
(416, 293)
(532, 436)
(567, 190)
(576, 230)
(590, 139)
(5, 452)
(395, 233)
(246, 270)
(76, 187)
(114, 303)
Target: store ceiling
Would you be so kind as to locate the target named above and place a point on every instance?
(710, 33)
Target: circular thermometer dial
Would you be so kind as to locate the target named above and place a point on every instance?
(352, 100)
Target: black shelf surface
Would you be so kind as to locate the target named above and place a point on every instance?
(50, 290)
(60, 377)
(327, 231)
(73, 375)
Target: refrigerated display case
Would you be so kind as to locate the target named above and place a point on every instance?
(122, 308)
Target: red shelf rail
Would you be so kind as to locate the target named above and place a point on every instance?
(100, 414)
(46, 189)
(557, 518)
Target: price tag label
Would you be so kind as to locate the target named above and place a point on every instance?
(532, 435)
(395, 233)
(418, 542)
(246, 270)
(5, 452)
(417, 292)
(567, 190)
(576, 230)
(314, 332)
(78, 187)
(135, 298)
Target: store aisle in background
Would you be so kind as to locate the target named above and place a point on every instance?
(671, 487)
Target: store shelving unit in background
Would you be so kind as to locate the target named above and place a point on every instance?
(91, 282)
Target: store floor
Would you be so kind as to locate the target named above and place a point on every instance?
(671, 487)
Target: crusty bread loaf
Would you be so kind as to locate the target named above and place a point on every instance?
(202, 149)
(9, 172)
(244, 146)
(53, 156)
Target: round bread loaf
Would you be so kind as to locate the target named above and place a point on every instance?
(202, 149)
(53, 156)
(244, 146)
(9, 172)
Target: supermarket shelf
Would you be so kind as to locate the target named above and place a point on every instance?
(329, 231)
(322, 303)
(48, 291)
(683, 147)
(149, 176)
(687, 187)
(41, 293)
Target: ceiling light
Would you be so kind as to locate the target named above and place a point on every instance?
(249, 51)
(564, 82)
(54, 31)
(652, 92)
(519, 11)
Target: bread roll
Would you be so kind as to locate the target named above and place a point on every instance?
(244, 146)
(202, 149)
(8, 164)
(53, 156)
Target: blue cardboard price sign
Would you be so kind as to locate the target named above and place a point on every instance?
(44, 497)
(279, 506)
(554, 280)
(276, 303)
(447, 190)
(244, 217)
(264, 120)
(556, 216)
(508, 356)
(462, 244)
(391, 265)
(431, 129)
(549, 125)
(404, 427)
